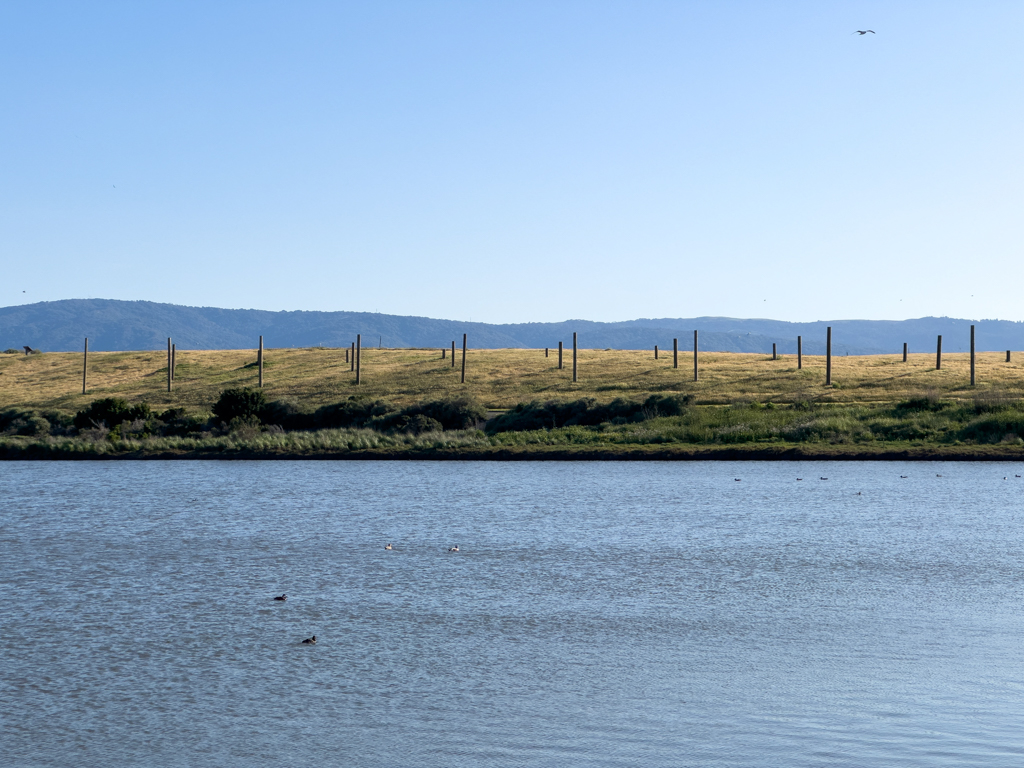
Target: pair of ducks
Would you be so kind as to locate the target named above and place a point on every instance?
(389, 548)
(308, 640)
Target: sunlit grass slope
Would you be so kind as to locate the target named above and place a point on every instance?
(498, 378)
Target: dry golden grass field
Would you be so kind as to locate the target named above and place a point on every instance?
(498, 378)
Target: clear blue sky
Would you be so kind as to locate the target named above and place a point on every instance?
(526, 161)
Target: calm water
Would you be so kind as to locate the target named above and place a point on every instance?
(598, 614)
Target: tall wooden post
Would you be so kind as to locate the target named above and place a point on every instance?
(85, 363)
(174, 359)
(168, 363)
(453, 353)
(972, 355)
(352, 364)
(799, 352)
(359, 354)
(828, 357)
(655, 351)
(545, 351)
(444, 353)
(938, 354)
(1007, 355)
(346, 354)
(775, 354)
(463, 358)
(259, 361)
(675, 353)
(559, 355)
(694, 355)
(574, 356)
(904, 351)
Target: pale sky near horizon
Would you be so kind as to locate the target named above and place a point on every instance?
(518, 161)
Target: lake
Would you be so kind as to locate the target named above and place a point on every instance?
(596, 614)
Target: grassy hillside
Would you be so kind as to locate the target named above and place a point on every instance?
(626, 404)
(498, 378)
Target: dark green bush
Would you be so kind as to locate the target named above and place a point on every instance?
(287, 415)
(418, 424)
(586, 412)
(176, 422)
(111, 411)
(457, 413)
(60, 422)
(354, 412)
(18, 422)
(994, 428)
(240, 403)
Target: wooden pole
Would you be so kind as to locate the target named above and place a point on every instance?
(938, 354)
(655, 351)
(972, 355)
(559, 355)
(444, 353)
(463, 358)
(694, 355)
(775, 355)
(574, 356)
(168, 363)
(828, 357)
(904, 351)
(359, 354)
(675, 353)
(259, 361)
(174, 359)
(352, 362)
(1007, 355)
(85, 363)
(346, 354)
(799, 352)
(453, 353)
(545, 351)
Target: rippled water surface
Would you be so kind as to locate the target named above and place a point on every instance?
(597, 614)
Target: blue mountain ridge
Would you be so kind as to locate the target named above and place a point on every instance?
(112, 325)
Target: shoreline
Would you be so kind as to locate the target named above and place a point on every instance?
(640, 453)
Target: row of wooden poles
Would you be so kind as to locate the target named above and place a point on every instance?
(353, 356)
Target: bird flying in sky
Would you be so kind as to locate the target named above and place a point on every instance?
(863, 32)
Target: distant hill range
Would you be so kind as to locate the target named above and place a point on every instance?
(60, 326)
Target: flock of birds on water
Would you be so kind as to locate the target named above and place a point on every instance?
(390, 547)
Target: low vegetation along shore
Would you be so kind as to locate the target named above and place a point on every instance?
(514, 404)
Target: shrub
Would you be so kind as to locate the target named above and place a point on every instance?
(129, 429)
(418, 424)
(456, 413)
(110, 411)
(29, 423)
(244, 427)
(240, 403)
(287, 415)
(993, 428)
(60, 422)
(586, 412)
(176, 422)
(35, 426)
(354, 412)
